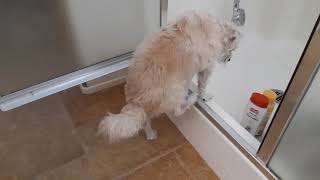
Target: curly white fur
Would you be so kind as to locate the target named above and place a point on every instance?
(162, 69)
(123, 125)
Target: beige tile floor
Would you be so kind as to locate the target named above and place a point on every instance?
(55, 139)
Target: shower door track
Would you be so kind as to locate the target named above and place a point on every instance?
(61, 83)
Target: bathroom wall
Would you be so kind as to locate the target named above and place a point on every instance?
(122, 27)
(110, 28)
(272, 19)
(274, 36)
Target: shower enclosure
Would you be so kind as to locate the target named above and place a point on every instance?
(49, 46)
(278, 43)
(272, 43)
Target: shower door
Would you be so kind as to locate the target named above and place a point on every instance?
(302, 135)
(47, 46)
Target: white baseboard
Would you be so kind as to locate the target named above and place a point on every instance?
(217, 150)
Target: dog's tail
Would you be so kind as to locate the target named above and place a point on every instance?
(127, 124)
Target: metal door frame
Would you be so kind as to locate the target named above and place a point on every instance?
(297, 87)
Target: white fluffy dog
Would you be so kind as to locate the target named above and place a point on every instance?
(162, 69)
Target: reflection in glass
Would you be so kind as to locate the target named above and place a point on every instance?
(43, 39)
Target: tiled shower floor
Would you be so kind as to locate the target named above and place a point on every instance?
(55, 139)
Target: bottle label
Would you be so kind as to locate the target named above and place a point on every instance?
(253, 114)
(252, 117)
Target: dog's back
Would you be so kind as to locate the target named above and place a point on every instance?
(161, 71)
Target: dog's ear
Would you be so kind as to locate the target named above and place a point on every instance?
(182, 23)
(232, 37)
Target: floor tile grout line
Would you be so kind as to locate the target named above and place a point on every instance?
(50, 170)
(82, 144)
(187, 169)
(151, 160)
(74, 131)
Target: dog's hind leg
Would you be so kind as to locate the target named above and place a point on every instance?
(151, 134)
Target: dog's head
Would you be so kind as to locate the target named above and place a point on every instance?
(230, 41)
(220, 37)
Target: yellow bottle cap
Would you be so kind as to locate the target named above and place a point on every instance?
(271, 95)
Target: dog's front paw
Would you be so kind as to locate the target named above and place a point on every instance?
(201, 93)
(207, 97)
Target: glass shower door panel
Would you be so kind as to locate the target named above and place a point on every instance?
(297, 155)
(43, 39)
